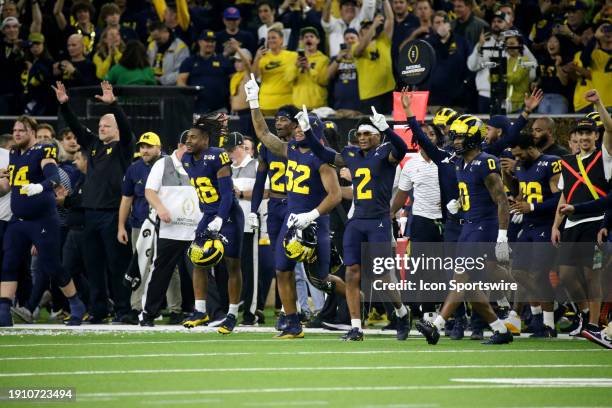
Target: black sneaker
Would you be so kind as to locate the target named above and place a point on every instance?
(429, 331)
(500, 338)
(261, 318)
(130, 317)
(249, 320)
(315, 323)
(477, 334)
(147, 321)
(175, 318)
(545, 333)
(403, 327)
(354, 334)
(458, 330)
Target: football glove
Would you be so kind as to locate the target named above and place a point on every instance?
(253, 219)
(453, 206)
(302, 220)
(252, 92)
(215, 225)
(379, 120)
(32, 189)
(502, 249)
(302, 118)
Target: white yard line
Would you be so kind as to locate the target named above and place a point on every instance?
(285, 369)
(253, 391)
(579, 382)
(285, 353)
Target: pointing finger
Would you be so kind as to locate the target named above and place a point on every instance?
(252, 77)
(373, 110)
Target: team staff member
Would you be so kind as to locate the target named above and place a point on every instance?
(272, 65)
(175, 202)
(584, 177)
(209, 71)
(134, 205)
(111, 152)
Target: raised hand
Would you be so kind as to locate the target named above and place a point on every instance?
(302, 118)
(532, 101)
(107, 96)
(252, 92)
(378, 120)
(592, 96)
(407, 101)
(60, 92)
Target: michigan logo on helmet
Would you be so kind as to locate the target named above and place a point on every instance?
(301, 245)
(471, 129)
(207, 250)
(444, 117)
(597, 118)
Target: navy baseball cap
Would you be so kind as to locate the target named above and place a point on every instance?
(231, 13)
(207, 35)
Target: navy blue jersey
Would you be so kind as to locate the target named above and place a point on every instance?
(203, 176)
(304, 186)
(133, 185)
(373, 177)
(476, 202)
(24, 168)
(276, 169)
(534, 185)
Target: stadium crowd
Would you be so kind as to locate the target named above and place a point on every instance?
(105, 226)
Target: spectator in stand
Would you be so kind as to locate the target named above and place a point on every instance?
(108, 51)
(133, 68)
(166, 54)
(374, 65)
(467, 24)
(178, 22)
(36, 78)
(295, 15)
(520, 71)
(576, 28)
(480, 57)
(309, 73)
(488, 9)
(210, 71)
(12, 63)
(591, 68)
(350, 17)
(404, 24)
(342, 73)
(9, 9)
(266, 12)
(273, 65)
(447, 81)
(240, 107)
(78, 71)
(44, 133)
(82, 11)
(231, 21)
(553, 79)
(424, 13)
(110, 14)
(550, 15)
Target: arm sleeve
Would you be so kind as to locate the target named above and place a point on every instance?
(227, 196)
(52, 177)
(599, 205)
(258, 190)
(84, 136)
(324, 153)
(511, 138)
(550, 204)
(431, 149)
(397, 142)
(126, 138)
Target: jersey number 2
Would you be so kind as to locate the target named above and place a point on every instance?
(362, 193)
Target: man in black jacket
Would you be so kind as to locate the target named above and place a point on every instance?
(110, 153)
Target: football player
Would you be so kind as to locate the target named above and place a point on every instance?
(537, 175)
(210, 174)
(31, 177)
(372, 165)
(485, 211)
(312, 192)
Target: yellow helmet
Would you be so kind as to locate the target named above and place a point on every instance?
(301, 245)
(471, 129)
(597, 118)
(444, 116)
(207, 250)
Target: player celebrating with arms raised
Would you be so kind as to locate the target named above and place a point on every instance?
(31, 178)
(372, 167)
(210, 174)
(312, 192)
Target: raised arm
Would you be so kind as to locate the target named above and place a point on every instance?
(59, 14)
(326, 154)
(399, 146)
(435, 154)
(108, 97)
(271, 141)
(593, 97)
(84, 136)
(36, 26)
(389, 19)
(367, 37)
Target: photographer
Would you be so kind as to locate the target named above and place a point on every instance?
(520, 72)
(490, 46)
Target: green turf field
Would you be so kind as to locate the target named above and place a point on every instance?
(252, 369)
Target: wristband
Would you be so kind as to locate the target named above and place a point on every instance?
(254, 104)
(502, 234)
